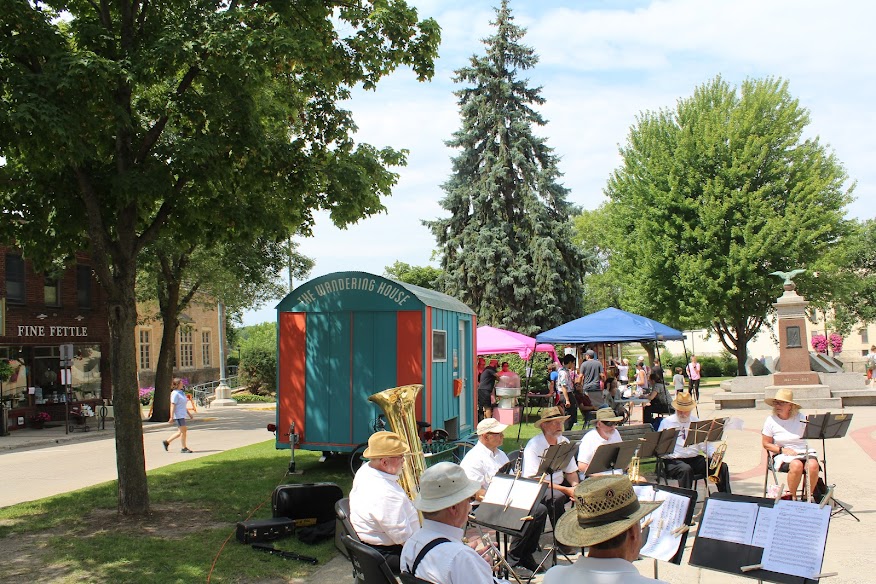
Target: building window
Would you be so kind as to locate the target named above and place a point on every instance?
(15, 279)
(865, 338)
(51, 292)
(83, 286)
(186, 348)
(439, 345)
(145, 349)
(205, 349)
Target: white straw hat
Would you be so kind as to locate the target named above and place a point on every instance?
(490, 426)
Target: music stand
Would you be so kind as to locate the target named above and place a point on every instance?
(611, 457)
(555, 458)
(648, 444)
(824, 427)
(666, 442)
(705, 431)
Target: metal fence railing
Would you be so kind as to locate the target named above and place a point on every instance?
(203, 393)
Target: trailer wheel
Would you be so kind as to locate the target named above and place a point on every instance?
(356, 459)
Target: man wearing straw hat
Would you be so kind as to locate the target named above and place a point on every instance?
(550, 423)
(605, 519)
(481, 464)
(380, 511)
(687, 461)
(436, 552)
(605, 432)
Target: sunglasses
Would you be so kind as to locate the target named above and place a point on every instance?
(610, 424)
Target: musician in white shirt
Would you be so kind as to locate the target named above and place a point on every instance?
(605, 432)
(550, 423)
(783, 438)
(686, 461)
(381, 513)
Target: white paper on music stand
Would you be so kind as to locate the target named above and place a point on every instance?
(795, 544)
(729, 521)
(522, 496)
(662, 544)
(765, 518)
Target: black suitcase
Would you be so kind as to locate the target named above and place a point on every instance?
(258, 530)
(307, 504)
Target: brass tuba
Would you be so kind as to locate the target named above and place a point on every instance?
(715, 464)
(398, 405)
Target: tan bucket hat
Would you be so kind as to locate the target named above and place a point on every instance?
(605, 506)
(384, 445)
(549, 415)
(607, 415)
(490, 426)
(783, 395)
(443, 485)
(684, 401)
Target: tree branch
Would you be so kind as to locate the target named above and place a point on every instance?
(155, 131)
(102, 247)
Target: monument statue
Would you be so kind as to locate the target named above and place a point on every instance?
(788, 277)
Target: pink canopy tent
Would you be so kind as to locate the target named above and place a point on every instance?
(492, 341)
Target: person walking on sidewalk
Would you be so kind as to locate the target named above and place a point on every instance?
(178, 413)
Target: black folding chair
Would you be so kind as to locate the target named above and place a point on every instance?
(369, 566)
(343, 527)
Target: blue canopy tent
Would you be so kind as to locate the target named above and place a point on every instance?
(611, 325)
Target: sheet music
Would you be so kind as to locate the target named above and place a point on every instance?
(522, 496)
(662, 544)
(729, 521)
(765, 519)
(795, 543)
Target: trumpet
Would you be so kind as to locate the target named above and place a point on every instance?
(715, 464)
(492, 550)
(633, 469)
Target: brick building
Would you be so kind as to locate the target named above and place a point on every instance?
(38, 314)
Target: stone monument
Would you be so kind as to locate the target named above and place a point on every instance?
(794, 367)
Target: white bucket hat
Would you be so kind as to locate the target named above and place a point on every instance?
(444, 485)
(490, 426)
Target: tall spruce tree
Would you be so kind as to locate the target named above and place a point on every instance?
(507, 245)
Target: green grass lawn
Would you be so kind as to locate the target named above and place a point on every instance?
(79, 537)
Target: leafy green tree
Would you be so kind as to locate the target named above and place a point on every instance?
(712, 197)
(855, 301)
(591, 231)
(121, 122)
(506, 247)
(258, 357)
(237, 275)
(423, 276)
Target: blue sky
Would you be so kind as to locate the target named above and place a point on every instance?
(601, 64)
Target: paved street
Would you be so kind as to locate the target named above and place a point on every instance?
(41, 463)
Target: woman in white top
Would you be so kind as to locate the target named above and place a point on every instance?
(623, 372)
(783, 439)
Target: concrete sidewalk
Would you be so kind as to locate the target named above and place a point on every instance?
(42, 463)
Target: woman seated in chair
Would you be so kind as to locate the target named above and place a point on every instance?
(783, 440)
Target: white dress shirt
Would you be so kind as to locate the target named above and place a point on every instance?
(451, 562)
(480, 463)
(682, 451)
(533, 453)
(598, 571)
(380, 511)
(593, 440)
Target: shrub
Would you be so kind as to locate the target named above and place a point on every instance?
(249, 398)
(258, 357)
(146, 395)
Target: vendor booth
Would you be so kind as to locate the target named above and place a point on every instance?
(610, 325)
(345, 336)
(495, 341)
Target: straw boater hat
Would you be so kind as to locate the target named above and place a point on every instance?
(549, 415)
(490, 426)
(385, 444)
(684, 401)
(605, 506)
(783, 395)
(443, 485)
(607, 415)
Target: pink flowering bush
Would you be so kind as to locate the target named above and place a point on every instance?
(819, 343)
(836, 343)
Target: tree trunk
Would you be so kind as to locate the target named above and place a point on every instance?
(164, 371)
(130, 458)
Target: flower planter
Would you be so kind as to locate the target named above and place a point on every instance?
(37, 424)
